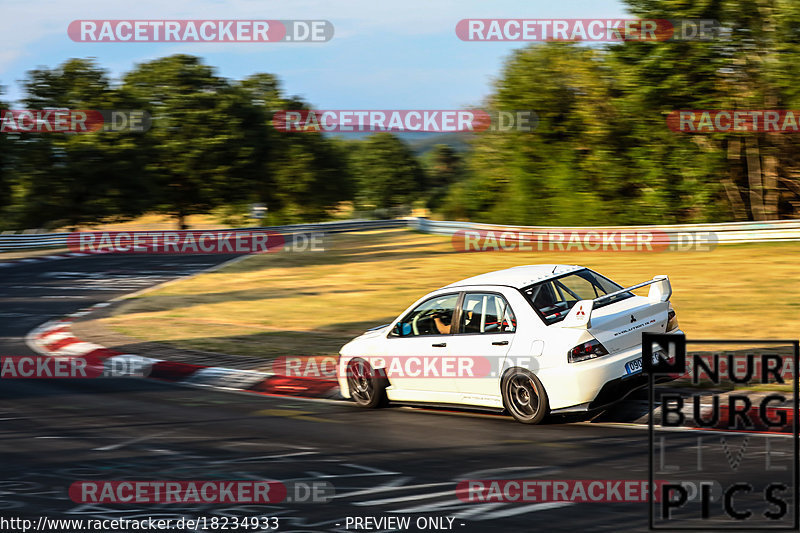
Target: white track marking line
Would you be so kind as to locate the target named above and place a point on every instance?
(447, 504)
(126, 443)
(478, 510)
(392, 486)
(513, 511)
(415, 497)
(250, 459)
(388, 486)
(370, 469)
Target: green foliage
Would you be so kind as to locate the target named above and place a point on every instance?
(602, 151)
(443, 167)
(7, 146)
(74, 179)
(386, 173)
(211, 147)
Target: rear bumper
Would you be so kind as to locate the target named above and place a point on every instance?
(610, 393)
(592, 384)
(616, 390)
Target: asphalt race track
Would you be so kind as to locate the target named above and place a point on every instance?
(32, 293)
(394, 462)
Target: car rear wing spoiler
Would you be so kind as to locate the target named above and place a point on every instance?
(580, 316)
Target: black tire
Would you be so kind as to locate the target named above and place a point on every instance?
(524, 396)
(367, 386)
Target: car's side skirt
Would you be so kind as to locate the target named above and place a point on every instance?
(459, 406)
(444, 398)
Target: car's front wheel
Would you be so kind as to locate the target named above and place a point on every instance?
(366, 385)
(524, 396)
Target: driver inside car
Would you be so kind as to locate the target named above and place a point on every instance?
(443, 321)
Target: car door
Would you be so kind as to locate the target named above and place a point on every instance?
(417, 349)
(486, 331)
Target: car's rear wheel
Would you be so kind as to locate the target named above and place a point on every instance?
(367, 386)
(524, 396)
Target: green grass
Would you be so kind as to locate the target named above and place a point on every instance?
(312, 303)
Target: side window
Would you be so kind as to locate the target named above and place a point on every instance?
(431, 317)
(487, 313)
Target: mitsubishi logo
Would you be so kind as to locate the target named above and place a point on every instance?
(580, 312)
(633, 319)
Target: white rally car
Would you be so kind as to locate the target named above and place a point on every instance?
(531, 340)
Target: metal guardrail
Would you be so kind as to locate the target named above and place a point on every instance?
(29, 241)
(32, 241)
(729, 232)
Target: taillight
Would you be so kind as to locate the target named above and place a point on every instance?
(587, 350)
(672, 320)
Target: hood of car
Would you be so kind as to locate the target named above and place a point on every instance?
(366, 339)
(371, 333)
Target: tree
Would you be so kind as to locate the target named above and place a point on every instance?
(541, 176)
(443, 167)
(7, 145)
(75, 178)
(200, 134)
(386, 173)
(311, 176)
(602, 152)
(750, 65)
(302, 176)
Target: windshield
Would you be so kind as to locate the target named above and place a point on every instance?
(553, 298)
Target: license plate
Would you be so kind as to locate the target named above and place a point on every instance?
(635, 366)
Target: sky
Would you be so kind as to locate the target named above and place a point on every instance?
(385, 54)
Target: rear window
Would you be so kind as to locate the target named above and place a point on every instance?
(554, 298)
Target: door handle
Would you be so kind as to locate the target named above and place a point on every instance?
(499, 343)
(439, 344)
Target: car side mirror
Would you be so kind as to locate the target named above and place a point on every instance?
(401, 329)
